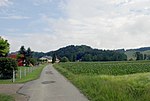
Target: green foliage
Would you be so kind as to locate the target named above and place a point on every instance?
(38, 54)
(31, 76)
(4, 47)
(26, 55)
(35, 74)
(4, 97)
(33, 61)
(64, 59)
(139, 56)
(54, 58)
(86, 53)
(87, 57)
(7, 65)
(29, 53)
(110, 81)
(107, 68)
(22, 50)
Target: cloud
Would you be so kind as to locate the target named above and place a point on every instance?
(37, 41)
(5, 3)
(103, 24)
(40, 2)
(14, 17)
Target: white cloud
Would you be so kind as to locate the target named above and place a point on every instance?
(104, 23)
(99, 23)
(5, 3)
(39, 2)
(15, 17)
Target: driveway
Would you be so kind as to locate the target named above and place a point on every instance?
(51, 86)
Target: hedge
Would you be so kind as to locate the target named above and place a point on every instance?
(7, 65)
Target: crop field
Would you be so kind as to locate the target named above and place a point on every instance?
(110, 81)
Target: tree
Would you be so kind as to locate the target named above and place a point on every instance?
(86, 53)
(64, 59)
(145, 56)
(28, 56)
(22, 53)
(87, 57)
(4, 47)
(139, 56)
(54, 58)
(7, 65)
(29, 52)
(22, 50)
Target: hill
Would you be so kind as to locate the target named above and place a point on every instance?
(86, 53)
(142, 49)
(131, 52)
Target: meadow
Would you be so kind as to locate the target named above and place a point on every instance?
(4, 97)
(110, 81)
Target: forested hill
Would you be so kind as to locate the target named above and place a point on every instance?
(86, 53)
(140, 49)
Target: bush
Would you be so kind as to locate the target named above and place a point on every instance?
(32, 61)
(7, 65)
(64, 59)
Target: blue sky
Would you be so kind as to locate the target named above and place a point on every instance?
(45, 25)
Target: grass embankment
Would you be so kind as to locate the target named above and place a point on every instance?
(29, 76)
(110, 81)
(4, 97)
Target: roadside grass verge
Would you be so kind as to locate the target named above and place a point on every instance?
(4, 97)
(32, 76)
(29, 77)
(128, 87)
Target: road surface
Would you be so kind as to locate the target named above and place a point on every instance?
(51, 86)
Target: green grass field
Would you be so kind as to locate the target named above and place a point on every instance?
(4, 97)
(30, 76)
(110, 81)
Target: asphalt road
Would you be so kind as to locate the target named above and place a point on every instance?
(51, 86)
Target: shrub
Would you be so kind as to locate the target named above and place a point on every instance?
(32, 61)
(7, 65)
(64, 59)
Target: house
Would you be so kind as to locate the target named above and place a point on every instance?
(57, 60)
(46, 58)
(19, 60)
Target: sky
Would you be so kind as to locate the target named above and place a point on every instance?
(45, 25)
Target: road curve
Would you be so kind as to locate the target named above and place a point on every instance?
(51, 86)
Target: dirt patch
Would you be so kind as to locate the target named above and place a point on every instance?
(12, 89)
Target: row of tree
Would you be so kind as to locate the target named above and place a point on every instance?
(140, 56)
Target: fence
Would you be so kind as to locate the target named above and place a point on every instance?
(23, 72)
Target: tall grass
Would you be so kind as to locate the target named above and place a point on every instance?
(105, 87)
(4, 97)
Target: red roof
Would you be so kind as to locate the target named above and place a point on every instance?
(14, 56)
